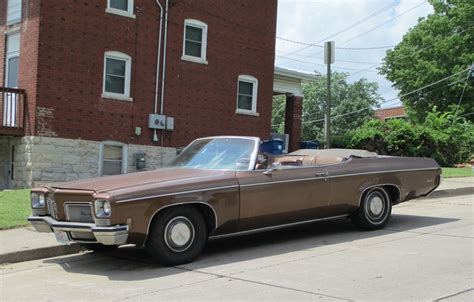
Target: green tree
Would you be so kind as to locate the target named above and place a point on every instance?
(345, 97)
(440, 45)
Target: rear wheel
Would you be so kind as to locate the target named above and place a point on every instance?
(374, 211)
(177, 236)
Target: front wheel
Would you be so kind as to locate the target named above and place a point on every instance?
(177, 236)
(374, 211)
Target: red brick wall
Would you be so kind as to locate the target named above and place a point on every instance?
(383, 114)
(202, 98)
(28, 66)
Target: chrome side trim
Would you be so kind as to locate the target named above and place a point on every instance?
(281, 181)
(336, 176)
(178, 193)
(385, 191)
(180, 204)
(386, 171)
(281, 226)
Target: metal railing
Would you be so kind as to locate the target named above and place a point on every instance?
(12, 110)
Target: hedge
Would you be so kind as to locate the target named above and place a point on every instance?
(445, 137)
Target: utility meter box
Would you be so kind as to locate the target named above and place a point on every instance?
(157, 121)
(140, 161)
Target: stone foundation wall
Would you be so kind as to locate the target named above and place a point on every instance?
(48, 160)
(4, 162)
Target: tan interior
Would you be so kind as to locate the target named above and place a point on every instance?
(306, 161)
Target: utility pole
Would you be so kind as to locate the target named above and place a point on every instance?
(329, 52)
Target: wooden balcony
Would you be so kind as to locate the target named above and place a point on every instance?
(12, 111)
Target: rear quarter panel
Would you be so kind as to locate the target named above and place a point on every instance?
(414, 177)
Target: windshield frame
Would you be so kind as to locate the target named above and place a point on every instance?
(253, 156)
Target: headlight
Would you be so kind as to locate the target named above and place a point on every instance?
(37, 200)
(102, 208)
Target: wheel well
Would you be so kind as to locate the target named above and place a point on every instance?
(393, 193)
(205, 209)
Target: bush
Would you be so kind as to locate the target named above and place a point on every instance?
(445, 137)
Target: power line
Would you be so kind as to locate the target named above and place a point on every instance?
(318, 64)
(394, 99)
(377, 12)
(378, 26)
(340, 48)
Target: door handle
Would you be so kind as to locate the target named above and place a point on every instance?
(320, 175)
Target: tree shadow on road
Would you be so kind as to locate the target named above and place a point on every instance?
(130, 263)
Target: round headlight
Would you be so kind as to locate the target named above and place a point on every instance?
(37, 200)
(106, 208)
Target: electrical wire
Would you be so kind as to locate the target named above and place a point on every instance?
(394, 99)
(377, 12)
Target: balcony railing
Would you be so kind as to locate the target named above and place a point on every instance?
(12, 111)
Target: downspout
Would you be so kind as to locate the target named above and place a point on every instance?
(158, 55)
(163, 77)
(164, 59)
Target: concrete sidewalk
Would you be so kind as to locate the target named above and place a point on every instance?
(26, 244)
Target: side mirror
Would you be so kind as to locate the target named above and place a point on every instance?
(274, 166)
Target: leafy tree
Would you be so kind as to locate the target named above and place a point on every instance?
(440, 45)
(346, 97)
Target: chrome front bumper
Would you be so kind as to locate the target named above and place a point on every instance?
(107, 235)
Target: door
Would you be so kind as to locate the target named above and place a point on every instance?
(10, 100)
(285, 196)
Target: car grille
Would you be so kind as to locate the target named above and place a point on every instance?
(52, 210)
(79, 213)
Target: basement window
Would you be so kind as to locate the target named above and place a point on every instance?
(113, 158)
(195, 41)
(122, 8)
(247, 90)
(117, 76)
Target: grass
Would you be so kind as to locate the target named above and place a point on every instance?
(15, 207)
(457, 172)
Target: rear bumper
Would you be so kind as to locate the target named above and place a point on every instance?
(107, 235)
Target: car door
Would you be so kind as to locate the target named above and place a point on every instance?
(285, 195)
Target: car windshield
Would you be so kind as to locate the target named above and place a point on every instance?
(217, 154)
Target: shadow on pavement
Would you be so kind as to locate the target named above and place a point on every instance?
(130, 263)
(451, 193)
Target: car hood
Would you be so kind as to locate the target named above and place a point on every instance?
(160, 179)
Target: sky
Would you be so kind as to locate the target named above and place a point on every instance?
(352, 24)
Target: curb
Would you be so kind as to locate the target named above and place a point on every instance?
(40, 253)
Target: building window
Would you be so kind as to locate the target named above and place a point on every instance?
(117, 74)
(195, 41)
(13, 11)
(247, 90)
(120, 7)
(113, 158)
(12, 60)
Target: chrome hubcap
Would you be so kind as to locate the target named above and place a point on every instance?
(376, 205)
(179, 234)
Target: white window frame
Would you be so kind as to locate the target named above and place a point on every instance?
(203, 26)
(129, 13)
(124, 155)
(11, 21)
(254, 81)
(116, 55)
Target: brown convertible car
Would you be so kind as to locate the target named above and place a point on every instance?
(222, 186)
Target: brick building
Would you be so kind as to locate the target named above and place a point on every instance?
(88, 86)
(384, 114)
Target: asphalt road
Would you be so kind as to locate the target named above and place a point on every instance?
(425, 253)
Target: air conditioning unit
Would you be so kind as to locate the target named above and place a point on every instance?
(157, 121)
